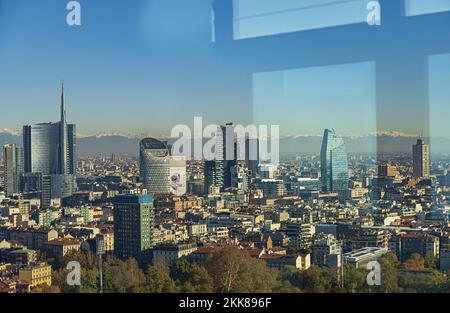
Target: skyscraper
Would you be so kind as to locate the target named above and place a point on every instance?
(421, 159)
(13, 157)
(229, 148)
(50, 150)
(133, 226)
(333, 161)
(154, 163)
(214, 170)
(252, 154)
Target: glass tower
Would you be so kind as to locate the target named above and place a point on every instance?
(13, 157)
(50, 150)
(334, 164)
(214, 170)
(155, 166)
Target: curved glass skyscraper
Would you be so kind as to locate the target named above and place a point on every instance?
(50, 153)
(155, 165)
(333, 161)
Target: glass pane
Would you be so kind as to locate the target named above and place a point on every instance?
(439, 80)
(255, 18)
(306, 101)
(418, 7)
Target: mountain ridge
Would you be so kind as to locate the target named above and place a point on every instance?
(384, 142)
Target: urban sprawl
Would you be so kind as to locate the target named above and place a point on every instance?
(161, 223)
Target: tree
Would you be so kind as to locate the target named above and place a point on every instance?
(88, 284)
(291, 275)
(423, 281)
(123, 276)
(389, 275)
(157, 280)
(59, 279)
(255, 277)
(285, 286)
(354, 279)
(44, 288)
(90, 281)
(415, 262)
(87, 260)
(319, 280)
(430, 260)
(191, 278)
(224, 266)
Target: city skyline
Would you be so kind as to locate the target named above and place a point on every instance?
(211, 147)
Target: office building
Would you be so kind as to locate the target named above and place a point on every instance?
(252, 155)
(13, 168)
(133, 225)
(334, 164)
(154, 160)
(421, 159)
(272, 188)
(50, 150)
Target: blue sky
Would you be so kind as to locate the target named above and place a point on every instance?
(142, 66)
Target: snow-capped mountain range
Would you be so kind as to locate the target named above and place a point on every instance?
(128, 144)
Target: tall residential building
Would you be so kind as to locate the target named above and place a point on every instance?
(133, 226)
(421, 159)
(387, 170)
(214, 170)
(219, 172)
(50, 150)
(229, 148)
(13, 168)
(240, 177)
(326, 251)
(334, 163)
(155, 165)
(404, 245)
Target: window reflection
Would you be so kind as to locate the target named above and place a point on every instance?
(306, 101)
(439, 80)
(255, 18)
(418, 7)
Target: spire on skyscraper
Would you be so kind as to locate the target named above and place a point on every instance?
(63, 110)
